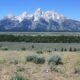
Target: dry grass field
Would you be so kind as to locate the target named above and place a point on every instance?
(14, 63)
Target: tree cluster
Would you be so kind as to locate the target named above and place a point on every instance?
(40, 39)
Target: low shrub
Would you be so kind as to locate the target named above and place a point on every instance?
(62, 49)
(49, 51)
(55, 49)
(5, 49)
(2, 61)
(30, 58)
(77, 68)
(20, 69)
(52, 67)
(75, 49)
(32, 46)
(56, 60)
(65, 49)
(14, 61)
(23, 48)
(39, 52)
(36, 59)
(70, 49)
(18, 77)
(39, 60)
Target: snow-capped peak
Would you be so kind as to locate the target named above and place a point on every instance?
(11, 16)
(53, 15)
(38, 14)
(48, 15)
(22, 16)
(39, 21)
(38, 11)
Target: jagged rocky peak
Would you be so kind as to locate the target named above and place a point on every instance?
(38, 14)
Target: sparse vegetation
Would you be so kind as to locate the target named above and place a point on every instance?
(64, 66)
(44, 47)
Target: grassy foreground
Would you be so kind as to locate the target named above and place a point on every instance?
(14, 66)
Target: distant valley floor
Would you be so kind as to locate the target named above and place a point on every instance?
(22, 46)
(43, 33)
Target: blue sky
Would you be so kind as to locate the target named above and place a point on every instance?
(69, 8)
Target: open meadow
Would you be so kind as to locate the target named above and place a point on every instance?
(39, 57)
(47, 65)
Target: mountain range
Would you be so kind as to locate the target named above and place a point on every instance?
(39, 21)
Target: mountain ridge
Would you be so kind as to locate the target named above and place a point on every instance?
(39, 21)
